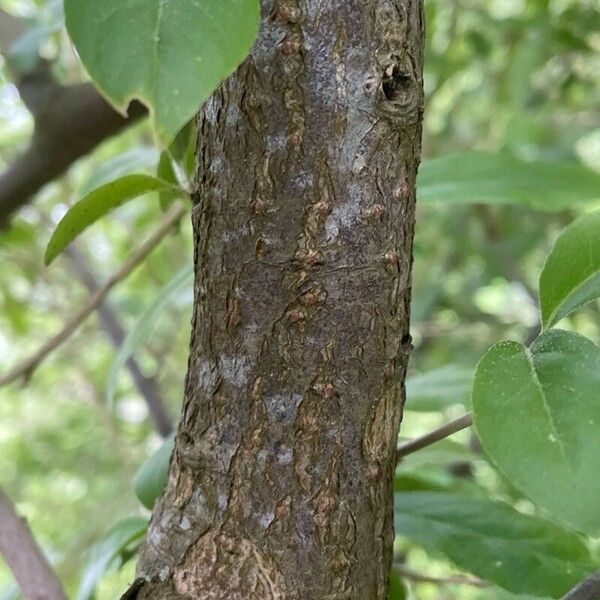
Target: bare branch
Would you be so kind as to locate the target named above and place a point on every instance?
(451, 580)
(69, 123)
(26, 368)
(147, 386)
(27, 562)
(434, 436)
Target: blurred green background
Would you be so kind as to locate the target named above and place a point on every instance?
(516, 75)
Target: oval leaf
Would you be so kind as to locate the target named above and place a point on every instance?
(142, 329)
(500, 178)
(98, 203)
(523, 554)
(571, 275)
(151, 478)
(537, 413)
(170, 55)
(111, 551)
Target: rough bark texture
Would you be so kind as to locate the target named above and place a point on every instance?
(281, 480)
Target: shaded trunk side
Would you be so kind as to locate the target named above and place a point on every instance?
(281, 480)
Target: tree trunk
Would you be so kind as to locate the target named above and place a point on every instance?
(281, 479)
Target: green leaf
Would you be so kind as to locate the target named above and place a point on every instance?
(438, 389)
(166, 172)
(170, 55)
(537, 413)
(183, 148)
(98, 203)
(482, 177)
(397, 589)
(139, 160)
(164, 169)
(522, 554)
(110, 552)
(142, 329)
(151, 478)
(571, 275)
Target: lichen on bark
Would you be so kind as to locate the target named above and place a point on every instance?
(281, 480)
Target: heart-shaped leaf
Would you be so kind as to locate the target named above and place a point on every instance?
(500, 178)
(100, 202)
(537, 413)
(523, 554)
(170, 55)
(571, 275)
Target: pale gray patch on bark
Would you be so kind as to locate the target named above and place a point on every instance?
(284, 458)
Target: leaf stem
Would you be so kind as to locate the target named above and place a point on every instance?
(434, 436)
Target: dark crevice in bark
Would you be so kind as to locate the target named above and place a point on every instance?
(281, 480)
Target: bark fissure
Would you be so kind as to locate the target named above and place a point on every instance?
(281, 480)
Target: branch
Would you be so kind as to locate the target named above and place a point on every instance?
(452, 580)
(434, 436)
(147, 386)
(589, 589)
(29, 566)
(70, 121)
(26, 368)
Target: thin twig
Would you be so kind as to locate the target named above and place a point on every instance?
(451, 580)
(27, 562)
(434, 436)
(26, 368)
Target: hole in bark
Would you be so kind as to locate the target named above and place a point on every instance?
(395, 82)
(406, 339)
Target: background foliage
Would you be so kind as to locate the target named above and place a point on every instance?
(518, 76)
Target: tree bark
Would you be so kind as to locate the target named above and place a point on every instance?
(281, 480)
